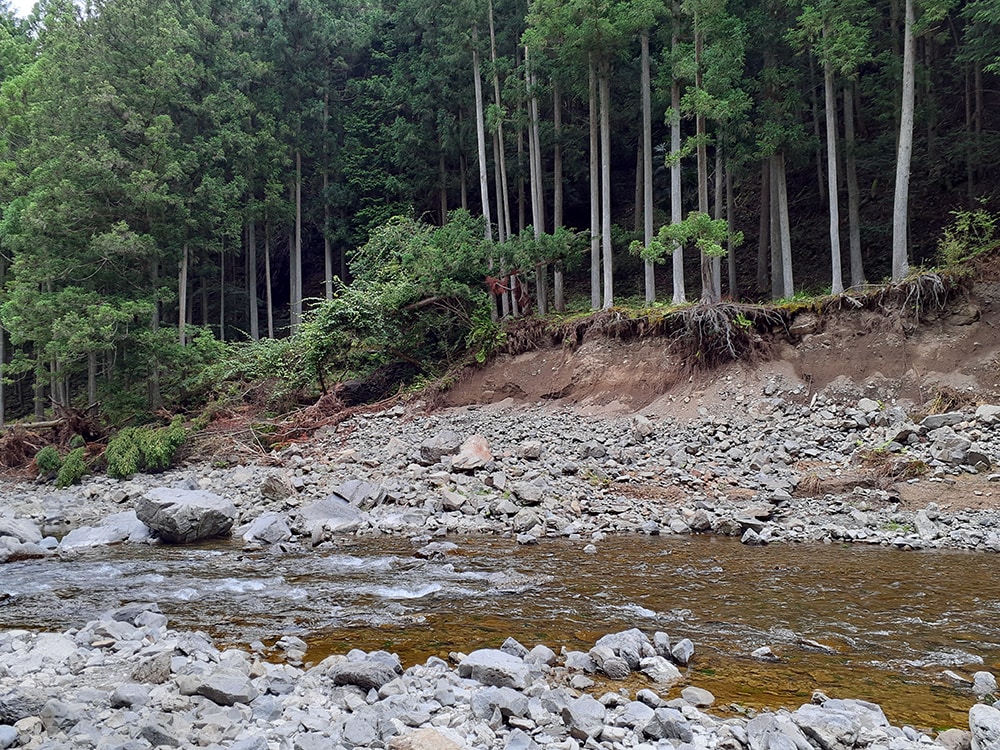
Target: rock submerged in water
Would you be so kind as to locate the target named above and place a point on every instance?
(179, 516)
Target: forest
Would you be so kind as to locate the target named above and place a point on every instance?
(201, 192)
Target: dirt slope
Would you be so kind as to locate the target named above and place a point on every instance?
(849, 355)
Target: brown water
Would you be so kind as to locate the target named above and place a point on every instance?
(892, 620)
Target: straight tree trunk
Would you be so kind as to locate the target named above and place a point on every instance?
(637, 193)
(269, 301)
(484, 189)
(708, 291)
(649, 275)
(558, 293)
(222, 294)
(537, 192)
(153, 380)
(182, 295)
(296, 256)
(730, 250)
(830, 105)
(252, 281)
(764, 227)
(595, 193)
(327, 249)
(785, 232)
(502, 220)
(676, 206)
(604, 86)
(853, 194)
(91, 381)
(814, 106)
(717, 214)
(900, 263)
(503, 207)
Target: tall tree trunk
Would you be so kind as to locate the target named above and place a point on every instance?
(814, 106)
(853, 194)
(327, 249)
(222, 294)
(900, 263)
(970, 178)
(91, 380)
(268, 299)
(154, 398)
(502, 220)
(595, 193)
(182, 294)
(537, 191)
(503, 207)
(785, 231)
(484, 188)
(717, 214)
(558, 292)
(676, 206)
(637, 193)
(730, 250)
(764, 228)
(708, 291)
(443, 187)
(252, 281)
(295, 253)
(604, 86)
(830, 104)
(649, 276)
(522, 220)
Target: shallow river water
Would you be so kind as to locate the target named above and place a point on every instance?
(893, 621)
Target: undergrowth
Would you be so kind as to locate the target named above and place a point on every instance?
(147, 449)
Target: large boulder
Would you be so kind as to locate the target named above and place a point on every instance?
(984, 723)
(20, 529)
(269, 528)
(114, 529)
(494, 667)
(332, 514)
(179, 516)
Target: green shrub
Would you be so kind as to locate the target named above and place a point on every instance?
(48, 461)
(970, 234)
(148, 449)
(73, 468)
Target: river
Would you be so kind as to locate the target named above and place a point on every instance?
(891, 621)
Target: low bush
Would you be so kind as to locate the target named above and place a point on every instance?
(148, 449)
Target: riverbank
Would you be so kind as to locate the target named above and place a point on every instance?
(127, 681)
(780, 466)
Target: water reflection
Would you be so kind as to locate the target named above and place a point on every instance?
(853, 621)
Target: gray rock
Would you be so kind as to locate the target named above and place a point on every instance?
(445, 443)
(988, 414)
(269, 528)
(223, 686)
(697, 696)
(370, 674)
(362, 494)
(332, 514)
(828, 729)
(180, 516)
(683, 651)
(21, 703)
(527, 493)
(584, 717)
(947, 446)
(926, 528)
(154, 670)
(8, 736)
(277, 486)
(509, 702)
(114, 529)
(955, 739)
(636, 715)
(984, 683)
(616, 668)
(21, 529)
(473, 454)
(668, 724)
(659, 670)
(947, 419)
(631, 645)
(129, 694)
(984, 724)
(494, 667)
(429, 738)
(775, 732)
(518, 740)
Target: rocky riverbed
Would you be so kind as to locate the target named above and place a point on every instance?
(126, 681)
(782, 467)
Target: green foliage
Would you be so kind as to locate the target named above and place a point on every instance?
(970, 234)
(147, 449)
(487, 335)
(73, 468)
(705, 234)
(48, 461)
